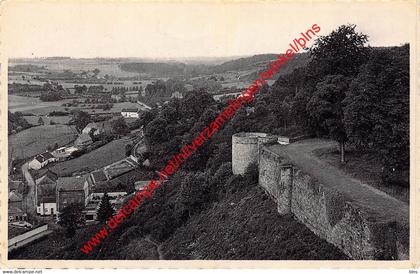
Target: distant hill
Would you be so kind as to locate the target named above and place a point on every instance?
(244, 63)
(299, 60)
(162, 69)
(252, 65)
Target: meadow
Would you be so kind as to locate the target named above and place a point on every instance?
(62, 120)
(33, 105)
(35, 140)
(100, 157)
(105, 66)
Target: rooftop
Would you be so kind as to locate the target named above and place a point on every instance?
(118, 168)
(48, 173)
(98, 176)
(130, 110)
(71, 183)
(14, 210)
(47, 200)
(14, 196)
(84, 137)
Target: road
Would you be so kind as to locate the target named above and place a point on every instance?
(140, 146)
(29, 197)
(376, 203)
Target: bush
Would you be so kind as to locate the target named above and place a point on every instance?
(58, 113)
(77, 153)
(251, 174)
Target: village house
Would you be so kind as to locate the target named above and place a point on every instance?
(41, 160)
(15, 199)
(45, 188)
(130, 113)
(47, 206)
(71, 190)
(14, 185)
(83, 140)
(177, 94)
(16, 214)
(15, 207)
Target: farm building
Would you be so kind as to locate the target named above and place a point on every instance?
(83, 140)
(42, 160)
(97, 128)
(130, 113)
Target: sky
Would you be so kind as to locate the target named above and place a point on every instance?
(191, 29)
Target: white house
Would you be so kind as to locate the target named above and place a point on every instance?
(177, 94)
(47, 206)
(42, 160)
(130, 113)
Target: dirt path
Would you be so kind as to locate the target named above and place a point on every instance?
(158, 247)
(376, 203)
(29, 197)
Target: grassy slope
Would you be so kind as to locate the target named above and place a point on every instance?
(35, 140)
(246, 225)
(98, 158)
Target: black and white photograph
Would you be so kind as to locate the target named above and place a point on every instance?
(208, 131)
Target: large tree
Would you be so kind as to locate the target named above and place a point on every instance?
(340, 52)
(71, 217)
(81, 119)
(105, 210)
(376, 111)
(334, 59)
(119, 126)
(325, 108)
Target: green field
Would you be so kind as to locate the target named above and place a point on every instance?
(35, 140)
(105, 66)
(103, 156)
(33, 120)
(33, 105)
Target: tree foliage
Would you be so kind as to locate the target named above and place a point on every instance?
(71, 217)
(81, 119)
(105, 210)
(340, 52)
(119, 126)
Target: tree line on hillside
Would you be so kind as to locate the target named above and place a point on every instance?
(353, 94)
(16, 122)
(349, 92)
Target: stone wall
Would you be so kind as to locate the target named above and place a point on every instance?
(329, 214)
(245, 149)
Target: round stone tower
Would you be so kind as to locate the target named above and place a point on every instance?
(245, 149)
